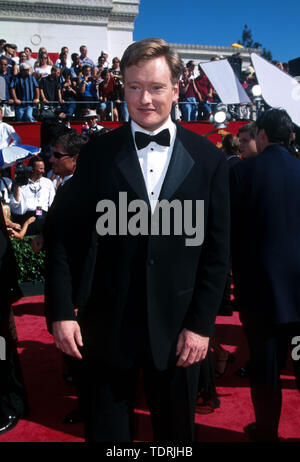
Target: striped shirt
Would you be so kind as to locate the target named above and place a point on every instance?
(24, 87)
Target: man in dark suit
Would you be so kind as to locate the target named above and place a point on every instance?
(154, 296)
(265, 199)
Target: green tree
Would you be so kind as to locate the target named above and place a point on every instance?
(248, 42)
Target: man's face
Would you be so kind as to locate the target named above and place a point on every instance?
(65, 165)
(9, 50)
(76, 59)
(24, 73)
(247, 145)
(27, 52)
(83, 51)
(3, 66)
(191, 67)
(150, 93)
(38, 170)
(22, 57)
(93, 121)
(86, 71)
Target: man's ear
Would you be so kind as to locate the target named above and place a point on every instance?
(175, 92)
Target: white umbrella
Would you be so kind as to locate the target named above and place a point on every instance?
(278, 88)
(15, 153)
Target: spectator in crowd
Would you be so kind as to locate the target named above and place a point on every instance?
(76, 66)
(92, 119)
(246, 135)
(50, 89)
(190, 94)
(115, 70)
(108, 96)
(8, 53)
(87, 89)
(265, 204)
(231, 147)
(43, 65)
(97, 70)
(23, 59)
(104, 55)
(33, 198)
(69, 94)
(62, 65)
(41, 51)
(8, 135)
(29, 59)
(2, 43)
(15, 57)
(13, 396)
(7, 101)
(64, 53)
(25, 93)
(84, 57)
(205, 95)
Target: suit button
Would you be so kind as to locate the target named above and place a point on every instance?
(151, 262)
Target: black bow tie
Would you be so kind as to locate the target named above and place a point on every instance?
(142, 139)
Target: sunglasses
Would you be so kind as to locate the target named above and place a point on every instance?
(58, 155)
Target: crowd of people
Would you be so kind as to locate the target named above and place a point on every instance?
(128, 300)
(75, 83)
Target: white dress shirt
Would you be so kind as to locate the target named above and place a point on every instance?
(35, 194)
(7, 135)
(154, 160)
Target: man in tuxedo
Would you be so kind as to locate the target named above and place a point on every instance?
(265, 200)
(153, 297)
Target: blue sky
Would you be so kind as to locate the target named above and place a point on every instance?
(275, 25)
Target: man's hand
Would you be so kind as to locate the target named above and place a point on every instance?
(191, 348)
(67, 337)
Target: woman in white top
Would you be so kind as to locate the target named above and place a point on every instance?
(43, 66)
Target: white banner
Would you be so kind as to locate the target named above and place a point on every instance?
(225, 82)
(278, 88)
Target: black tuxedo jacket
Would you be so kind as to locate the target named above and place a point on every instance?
(265, 200)
(155, 279)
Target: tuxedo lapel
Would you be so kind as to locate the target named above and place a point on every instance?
(180, 165)
(128, 164)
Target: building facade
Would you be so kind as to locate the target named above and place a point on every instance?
(98, 24)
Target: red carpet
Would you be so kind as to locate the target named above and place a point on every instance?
(50, 399)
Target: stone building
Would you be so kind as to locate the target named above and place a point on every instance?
(98, 24)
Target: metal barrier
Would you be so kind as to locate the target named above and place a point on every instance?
(234, 111)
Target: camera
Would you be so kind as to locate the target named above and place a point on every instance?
(22, 173)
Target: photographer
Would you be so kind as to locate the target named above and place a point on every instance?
(32, 193)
